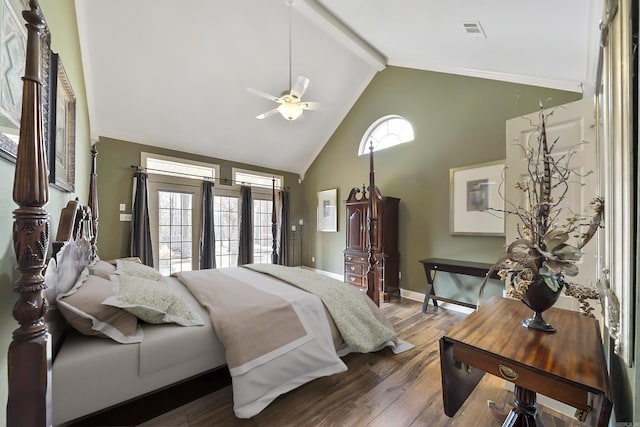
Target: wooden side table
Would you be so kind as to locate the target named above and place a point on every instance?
(469, 268)
(568, 366)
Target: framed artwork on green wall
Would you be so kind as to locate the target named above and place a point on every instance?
(12, 69)
(476, 205)
(327, 210)
(62, 133)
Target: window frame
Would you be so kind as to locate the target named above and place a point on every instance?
(363, 148)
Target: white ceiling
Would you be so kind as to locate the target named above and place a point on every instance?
(174, 73)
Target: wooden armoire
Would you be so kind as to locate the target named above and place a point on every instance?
(385, 245)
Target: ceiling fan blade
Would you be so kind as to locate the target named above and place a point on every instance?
(264, 95)
(267, 114)
(313, 106)
(300, 87)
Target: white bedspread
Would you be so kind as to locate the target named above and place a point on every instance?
(258, 382)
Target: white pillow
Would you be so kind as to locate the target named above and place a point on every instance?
(139, 270)
(151, 301)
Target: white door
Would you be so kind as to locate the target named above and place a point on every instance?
(574, 126)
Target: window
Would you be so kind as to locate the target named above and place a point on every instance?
(227, 222)
(164, 165)
(262, 236)
(260, 182)
(175, 201)
(175, 237)
(386, 132)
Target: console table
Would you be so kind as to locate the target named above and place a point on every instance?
(469, 268)
(567, 366)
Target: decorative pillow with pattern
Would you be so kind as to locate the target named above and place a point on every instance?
(139, 270)
(102, 269)
(82, 307)
(151, 301)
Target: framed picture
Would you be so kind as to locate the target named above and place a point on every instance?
(62, 131)
(477, 205)
(327, 210)
(12, 68)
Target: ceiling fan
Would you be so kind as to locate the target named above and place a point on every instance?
(291, 104)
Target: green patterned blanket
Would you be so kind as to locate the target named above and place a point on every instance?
(354, 317)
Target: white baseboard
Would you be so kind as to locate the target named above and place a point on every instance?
(419, 296)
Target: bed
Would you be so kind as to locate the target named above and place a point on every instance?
(56, 374)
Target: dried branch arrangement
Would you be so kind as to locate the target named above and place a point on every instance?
(542, 250)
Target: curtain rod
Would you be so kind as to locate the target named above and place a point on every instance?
(206, 178)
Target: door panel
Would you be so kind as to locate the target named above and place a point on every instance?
(188, 227)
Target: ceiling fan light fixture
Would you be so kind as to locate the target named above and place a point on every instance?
(290, 111)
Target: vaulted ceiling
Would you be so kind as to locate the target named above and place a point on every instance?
(174, 73)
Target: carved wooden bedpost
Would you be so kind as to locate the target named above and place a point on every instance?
(274, 223)
(372, 219)
(93, 204)
(29, 356)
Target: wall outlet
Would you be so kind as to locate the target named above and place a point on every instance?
(123, 207)
(313, 259)
(399, 274)
(125, 217)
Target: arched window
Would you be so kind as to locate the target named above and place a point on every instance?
(386, 132)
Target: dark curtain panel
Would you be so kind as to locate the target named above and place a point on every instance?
(283, 258)
(207, 231)
(140, 244)
(245, 252)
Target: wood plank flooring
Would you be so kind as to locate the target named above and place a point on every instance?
(380, 389)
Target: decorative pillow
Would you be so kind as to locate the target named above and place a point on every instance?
(102, 269)
(83, 309)
(151, 301)
(139, 270)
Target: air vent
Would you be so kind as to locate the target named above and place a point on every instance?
(474, 29)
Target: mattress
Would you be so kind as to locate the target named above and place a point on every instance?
(90, 373)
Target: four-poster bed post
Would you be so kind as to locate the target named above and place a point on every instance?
(372, 287)
(92, 202)
(274, 223)
(29, 357)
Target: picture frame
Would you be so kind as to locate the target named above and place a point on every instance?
(328, 210)
(14, 37)
(62, 129)
(476, 201)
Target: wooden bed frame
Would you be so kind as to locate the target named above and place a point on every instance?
(30, 352)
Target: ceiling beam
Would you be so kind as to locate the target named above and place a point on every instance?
(334, 27)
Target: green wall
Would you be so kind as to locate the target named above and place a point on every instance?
(61, 18)
(115, 186)
(457, 121)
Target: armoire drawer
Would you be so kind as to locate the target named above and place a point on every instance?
(355, 279)
(352, 268)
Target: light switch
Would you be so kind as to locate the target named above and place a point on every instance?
(125, 217)
(122, 207)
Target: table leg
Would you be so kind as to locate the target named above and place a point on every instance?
(524, 412)
(429, 291)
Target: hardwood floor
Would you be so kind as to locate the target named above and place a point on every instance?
(380, 389)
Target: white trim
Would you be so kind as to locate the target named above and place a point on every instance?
(419, 296)
(561, 84)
